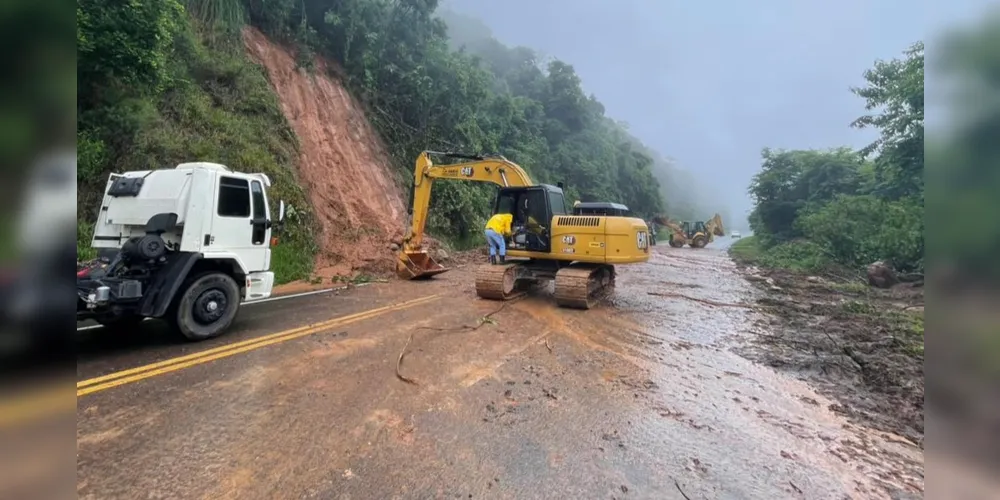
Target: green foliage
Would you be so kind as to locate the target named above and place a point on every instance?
(789, 181)
(159, 88)
(123, 46)
(896, 88)
(814, 209)
(799, 255)
(470, 93)
(964, 170)
(859, 230)
(747, 249)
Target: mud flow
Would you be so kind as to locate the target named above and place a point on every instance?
(343, 165)
(642, 397)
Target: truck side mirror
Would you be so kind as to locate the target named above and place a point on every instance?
(281, 211)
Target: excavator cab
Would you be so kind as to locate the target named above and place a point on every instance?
(533, 208)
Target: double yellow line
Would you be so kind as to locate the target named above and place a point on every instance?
(116, 379)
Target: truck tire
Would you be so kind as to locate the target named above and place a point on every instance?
(206, 307)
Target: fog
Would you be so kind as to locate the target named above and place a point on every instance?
(709, 84)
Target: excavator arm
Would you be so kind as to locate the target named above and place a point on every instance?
(714, 226)
(675, 228)
(414, 261)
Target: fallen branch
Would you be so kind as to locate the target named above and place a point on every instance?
(703, 301)
(547, 346)
(678, 485)
(799, 491)
(488, 318)
(399, 362)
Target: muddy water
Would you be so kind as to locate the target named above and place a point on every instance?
(731, 428)
(640, 398)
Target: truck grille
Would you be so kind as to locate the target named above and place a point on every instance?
(579, 221)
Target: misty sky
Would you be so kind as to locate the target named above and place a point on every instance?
(710, 83)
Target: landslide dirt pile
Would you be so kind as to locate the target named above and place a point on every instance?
(343, 166)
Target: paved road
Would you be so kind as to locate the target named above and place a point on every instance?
(640, 398)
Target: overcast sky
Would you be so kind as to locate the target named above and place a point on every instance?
(710, 83)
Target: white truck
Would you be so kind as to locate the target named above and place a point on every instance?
(187, 245)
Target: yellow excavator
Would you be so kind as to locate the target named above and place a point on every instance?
(693, 234)
(578, 252)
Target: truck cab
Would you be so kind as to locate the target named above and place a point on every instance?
(187, 244)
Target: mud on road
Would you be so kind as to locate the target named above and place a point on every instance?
(644, 397)
(861, 345)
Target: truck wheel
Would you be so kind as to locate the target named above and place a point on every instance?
(207, 306)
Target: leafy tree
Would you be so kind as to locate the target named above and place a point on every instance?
(896, 88)
(837, 206)
(123, 46)
(162, 82)
(792, 180)
(426, 91)
(858, 230)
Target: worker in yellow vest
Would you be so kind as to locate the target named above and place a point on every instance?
(497, 230)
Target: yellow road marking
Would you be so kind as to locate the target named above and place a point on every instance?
(116, 379)
(40, 402)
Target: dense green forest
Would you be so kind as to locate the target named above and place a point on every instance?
(517, 69)
(422, 93)
(157, 86)
(816, 209)
(168, 81)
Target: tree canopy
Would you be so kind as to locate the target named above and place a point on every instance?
(433, 83)
(854, 207)
(162, 82)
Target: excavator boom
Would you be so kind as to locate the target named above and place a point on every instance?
(714, 226)
(414, 262)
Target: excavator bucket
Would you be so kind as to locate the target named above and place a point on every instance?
(413, 265)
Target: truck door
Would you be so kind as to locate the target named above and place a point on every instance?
(261, 223)
(235, 229)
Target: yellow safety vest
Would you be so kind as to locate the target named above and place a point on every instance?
(500, 223)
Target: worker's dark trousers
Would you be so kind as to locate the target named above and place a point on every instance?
(496, 243)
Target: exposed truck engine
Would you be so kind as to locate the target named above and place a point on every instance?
(187, 245)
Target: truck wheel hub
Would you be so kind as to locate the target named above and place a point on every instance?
(210, 306)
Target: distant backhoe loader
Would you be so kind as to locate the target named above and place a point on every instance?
(693, 234)
(577, 251)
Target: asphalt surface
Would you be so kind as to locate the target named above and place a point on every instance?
(639, 398)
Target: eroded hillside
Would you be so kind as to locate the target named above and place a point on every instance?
(342, 165)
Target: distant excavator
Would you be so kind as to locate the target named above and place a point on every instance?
(577, 251)
(693, 234)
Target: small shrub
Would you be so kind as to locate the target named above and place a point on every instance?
(797, 255)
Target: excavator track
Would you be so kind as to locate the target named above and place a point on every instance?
(580, 286)
(499, 282)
